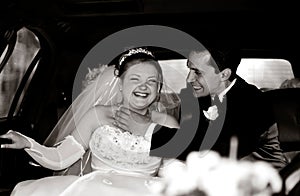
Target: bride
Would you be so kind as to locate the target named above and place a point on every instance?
(112, 121)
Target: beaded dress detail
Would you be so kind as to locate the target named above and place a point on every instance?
(122, 151)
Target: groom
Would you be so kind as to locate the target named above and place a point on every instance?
(229, 106)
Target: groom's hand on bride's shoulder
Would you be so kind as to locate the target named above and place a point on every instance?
(130, 121)
(121, 117)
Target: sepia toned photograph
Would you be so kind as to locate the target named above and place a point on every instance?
(149, 98)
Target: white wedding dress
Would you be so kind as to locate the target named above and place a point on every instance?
(121, 166)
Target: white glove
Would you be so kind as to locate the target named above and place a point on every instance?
(63, 155)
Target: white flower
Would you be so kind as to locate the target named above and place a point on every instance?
(212, 113)
(208, 172)
(179, 181)
(199, 163)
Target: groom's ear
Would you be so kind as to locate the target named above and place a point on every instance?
(225, 74)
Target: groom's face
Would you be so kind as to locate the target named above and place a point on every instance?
(202, 76)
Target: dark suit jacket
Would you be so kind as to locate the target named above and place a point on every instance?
(244, 113)
(247, 115)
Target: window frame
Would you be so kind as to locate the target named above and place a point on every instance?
(20, 92)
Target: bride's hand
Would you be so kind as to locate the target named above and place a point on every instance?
(18, 141)
(131, 121)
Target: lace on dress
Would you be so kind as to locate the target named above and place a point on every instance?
(122, 151)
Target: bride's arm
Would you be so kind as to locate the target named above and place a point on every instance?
(55, 158)
(59, 157)
(164, 119)
(72, 148)
(65, 153)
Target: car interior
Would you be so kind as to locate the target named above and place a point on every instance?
(42, 44)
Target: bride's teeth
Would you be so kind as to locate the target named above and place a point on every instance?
(141, 94)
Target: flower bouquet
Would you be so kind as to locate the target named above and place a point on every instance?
(206, 173)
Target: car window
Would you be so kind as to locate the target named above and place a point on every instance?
(26, 47)
(266, 74)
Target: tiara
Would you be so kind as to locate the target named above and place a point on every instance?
(135, 51)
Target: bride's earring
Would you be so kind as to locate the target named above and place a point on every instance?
(120, 96)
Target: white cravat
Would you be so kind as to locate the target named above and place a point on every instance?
(212, 112)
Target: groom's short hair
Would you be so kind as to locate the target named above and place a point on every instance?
(226, 58)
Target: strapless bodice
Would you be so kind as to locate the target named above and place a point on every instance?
(113, 149)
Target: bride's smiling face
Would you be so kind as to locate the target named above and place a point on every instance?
(140, 85)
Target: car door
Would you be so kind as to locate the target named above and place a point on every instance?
(27, 101)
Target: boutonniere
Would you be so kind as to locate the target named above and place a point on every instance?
(212, 113)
